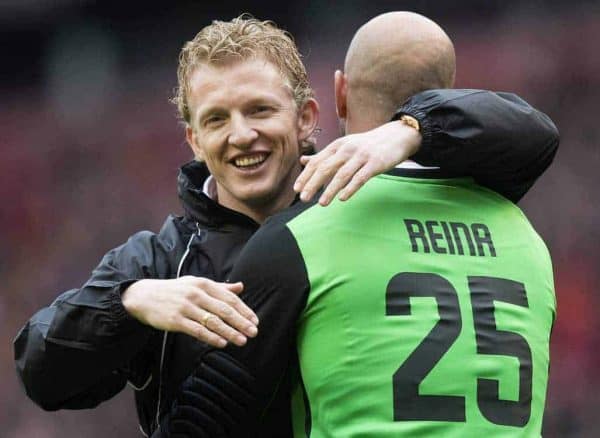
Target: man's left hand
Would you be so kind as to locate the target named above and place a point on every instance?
(350, 161)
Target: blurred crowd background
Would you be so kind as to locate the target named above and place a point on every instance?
(90, 148)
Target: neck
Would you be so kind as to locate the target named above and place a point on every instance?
(366, 120)
(260, 208)
(258, 211)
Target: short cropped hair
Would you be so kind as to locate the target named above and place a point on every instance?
(243, 37)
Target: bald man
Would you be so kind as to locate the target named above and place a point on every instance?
(421, 307)
(391, 56)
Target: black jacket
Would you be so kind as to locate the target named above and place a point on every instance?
(84, 347)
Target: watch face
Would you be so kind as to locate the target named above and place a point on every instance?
(410, 121)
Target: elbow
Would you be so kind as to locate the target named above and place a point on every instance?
(45, 403)
(550, 147)
(553, 133)
(36, 389)
(552, 138)
(52, 392)
(31, 371)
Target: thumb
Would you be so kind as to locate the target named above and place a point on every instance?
(304, 159)
(236, 288)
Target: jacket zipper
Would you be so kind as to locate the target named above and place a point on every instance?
(164, 343)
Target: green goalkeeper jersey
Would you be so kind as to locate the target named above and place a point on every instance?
(421, 307)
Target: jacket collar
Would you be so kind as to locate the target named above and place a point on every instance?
(198, 206)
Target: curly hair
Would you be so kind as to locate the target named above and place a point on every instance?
(244, 37)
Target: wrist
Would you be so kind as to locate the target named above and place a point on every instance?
(414, 137)
(410, 121)
(129, 297)
(426, 153)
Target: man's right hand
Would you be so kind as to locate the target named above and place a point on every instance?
(205, 309)
(347, 163)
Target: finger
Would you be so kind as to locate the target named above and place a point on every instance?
(237, 288)
(341, 178)
(222, 292)
(309, 168)
(207, 318)
(226, 319)
(312, 162)
(358, 180)
(198, 331)
(304, 159)
(321, 176)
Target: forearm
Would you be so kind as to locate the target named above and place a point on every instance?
(69, 354)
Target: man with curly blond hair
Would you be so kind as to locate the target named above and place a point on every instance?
(153, 306)
(242, 38)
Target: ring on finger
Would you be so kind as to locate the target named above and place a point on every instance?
(207, 316)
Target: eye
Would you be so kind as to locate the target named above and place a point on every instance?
(213, 121)
(261, 110)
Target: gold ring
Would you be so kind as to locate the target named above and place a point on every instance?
(205, 318)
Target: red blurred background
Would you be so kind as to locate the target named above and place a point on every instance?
(91, 146)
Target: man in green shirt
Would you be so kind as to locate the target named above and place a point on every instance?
(421, 307)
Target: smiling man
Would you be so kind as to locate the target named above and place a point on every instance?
(151, 306)
(248, 130)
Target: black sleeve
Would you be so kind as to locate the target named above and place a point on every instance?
(276, 288)
(497, 138)
(72, 353)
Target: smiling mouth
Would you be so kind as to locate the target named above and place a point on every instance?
(250, 161)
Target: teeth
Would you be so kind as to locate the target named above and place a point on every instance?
(250, 161)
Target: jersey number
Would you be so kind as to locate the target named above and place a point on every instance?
(408, 403)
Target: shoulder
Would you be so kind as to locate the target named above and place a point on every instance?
(277, 226)
(175, 232)
(289, 214)
(149, 252)
(173, 235)
(273, 253)
(273, 269)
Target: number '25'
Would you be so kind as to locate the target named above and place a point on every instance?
(408, 404)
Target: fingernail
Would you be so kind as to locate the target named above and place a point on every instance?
(304, 196)
(254, 319)
(222, 343)
(251, 331)
(240, 340)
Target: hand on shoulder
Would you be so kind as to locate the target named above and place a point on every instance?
(205, 309)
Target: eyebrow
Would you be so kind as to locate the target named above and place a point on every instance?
(211, 110)
(262, 101)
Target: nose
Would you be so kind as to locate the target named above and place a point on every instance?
(242, 133)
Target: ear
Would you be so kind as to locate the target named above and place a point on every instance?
(192, 140)
(308, 117)
(341, 89)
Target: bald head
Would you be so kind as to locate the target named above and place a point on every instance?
(390, 58)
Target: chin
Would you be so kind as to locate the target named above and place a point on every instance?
(258, 195)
